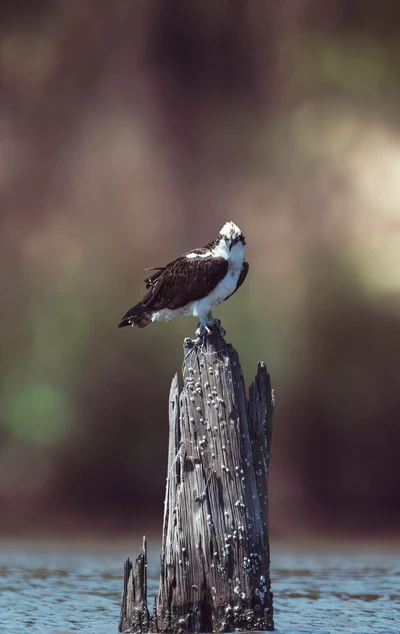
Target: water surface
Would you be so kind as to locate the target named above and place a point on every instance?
(79, 590)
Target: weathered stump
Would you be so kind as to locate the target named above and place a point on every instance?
(134, 613)
(215, 548)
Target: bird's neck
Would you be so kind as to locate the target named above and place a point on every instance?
(221, 250)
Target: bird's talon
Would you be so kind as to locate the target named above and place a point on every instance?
(204, 330)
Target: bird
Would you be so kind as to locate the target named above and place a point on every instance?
(194, 284)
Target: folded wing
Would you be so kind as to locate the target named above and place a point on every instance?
(181, 282)
(242, 277)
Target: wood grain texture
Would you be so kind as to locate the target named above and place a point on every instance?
(215, 554)
(135, 616)
(215, 549)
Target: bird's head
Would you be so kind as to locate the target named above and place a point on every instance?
(232, 235)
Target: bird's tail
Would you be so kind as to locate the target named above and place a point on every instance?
(138, 316)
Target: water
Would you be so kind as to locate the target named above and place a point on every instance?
(79, 590)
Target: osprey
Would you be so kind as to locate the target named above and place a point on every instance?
(195, 283)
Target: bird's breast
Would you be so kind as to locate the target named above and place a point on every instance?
(228, 284)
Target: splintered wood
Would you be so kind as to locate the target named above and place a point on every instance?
(134, 613)
(215, 549)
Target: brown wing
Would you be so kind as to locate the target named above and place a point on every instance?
(242, 277)
(183, 281)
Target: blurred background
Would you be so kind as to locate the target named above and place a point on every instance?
(130, 132)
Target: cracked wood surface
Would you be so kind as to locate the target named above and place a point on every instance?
(215, 549)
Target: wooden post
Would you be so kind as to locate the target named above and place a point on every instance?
(134, 613)
(215, 548)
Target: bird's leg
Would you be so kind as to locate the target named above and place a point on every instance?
(201, 333)
(202, 328)
(206, 327)
(215, 323)
(210, 322)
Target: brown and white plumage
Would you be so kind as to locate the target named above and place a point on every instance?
(194, 283)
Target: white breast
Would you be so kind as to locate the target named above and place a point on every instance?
(225, 287)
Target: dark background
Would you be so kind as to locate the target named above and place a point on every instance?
(130, 132)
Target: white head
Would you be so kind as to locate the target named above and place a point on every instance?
(232, 235)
